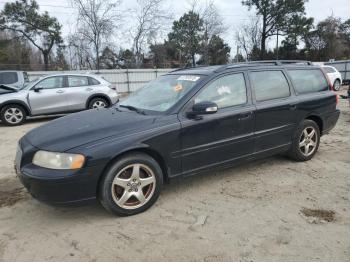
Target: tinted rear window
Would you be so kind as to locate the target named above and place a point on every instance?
(93, 81)
(8, 78)
(269, 85)
(308, 81)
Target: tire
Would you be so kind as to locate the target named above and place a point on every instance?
(337, 85)
(98, 102)
(121, 191)
(306, 141)
(13, 115)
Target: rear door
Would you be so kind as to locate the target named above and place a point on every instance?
(51, 96)
(275, 118)
(224, 136)
(79, 91)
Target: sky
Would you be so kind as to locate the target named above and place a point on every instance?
(232, 12)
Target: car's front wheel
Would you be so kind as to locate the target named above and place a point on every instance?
(337, 85)
(13, 115)
(306, 141)
(131, 185)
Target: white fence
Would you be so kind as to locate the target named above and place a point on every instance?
(126, 80)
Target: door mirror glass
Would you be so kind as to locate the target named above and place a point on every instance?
(204, 108)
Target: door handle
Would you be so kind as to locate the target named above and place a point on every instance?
(89, 89)
(292, 107)
(245, 116)
(59, 91)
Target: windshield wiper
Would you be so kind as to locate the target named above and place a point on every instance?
(132, 108)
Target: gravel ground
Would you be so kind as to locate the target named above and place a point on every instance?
(271, 210)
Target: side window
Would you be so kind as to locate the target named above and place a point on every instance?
(329, 69)
(51, 82)
(74, 81)
(308, 81)
(7, 78)
(229, 90)
(269, 85)
(93, 81)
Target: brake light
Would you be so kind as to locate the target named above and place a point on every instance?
(328, 80)
(336, 98)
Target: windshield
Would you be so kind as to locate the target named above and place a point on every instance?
(161, 93)
(27, 84)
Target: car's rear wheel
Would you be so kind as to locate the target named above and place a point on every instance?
(131, 185)
(337, 85)
(13, 115)
(306, 141)
(98, 102)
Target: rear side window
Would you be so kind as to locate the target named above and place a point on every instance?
(226, 91)
(74, 81)
(329, 69)
(308, 81)
(8, 78)
(93, 81)
(269, 85)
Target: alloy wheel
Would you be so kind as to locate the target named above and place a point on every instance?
(99, 104)
(133, 186)
(308, 141)
(13, 115)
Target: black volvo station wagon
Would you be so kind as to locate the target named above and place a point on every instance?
(182, 123)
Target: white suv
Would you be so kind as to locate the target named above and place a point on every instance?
(55, 94)
(334, 76)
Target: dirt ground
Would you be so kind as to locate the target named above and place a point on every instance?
(271, 210)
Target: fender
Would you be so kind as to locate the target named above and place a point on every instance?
(18, 102)
(97, 95)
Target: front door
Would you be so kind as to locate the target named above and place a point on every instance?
(224, 136)
(49, 96)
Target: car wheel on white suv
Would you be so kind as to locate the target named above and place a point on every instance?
(13, 115)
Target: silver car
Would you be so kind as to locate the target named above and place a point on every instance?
(55, 94)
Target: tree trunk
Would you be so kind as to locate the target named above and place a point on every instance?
(97, 59)
(193, 60)
(263, 38)
(46, 60)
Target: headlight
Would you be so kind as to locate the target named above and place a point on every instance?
(54, 160)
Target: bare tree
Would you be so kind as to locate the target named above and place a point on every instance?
(97, 20)
(79, 52)
(248, 37)
(150, 19)
(212, 24)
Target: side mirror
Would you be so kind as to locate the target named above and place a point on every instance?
(37, 89)
(204, 108)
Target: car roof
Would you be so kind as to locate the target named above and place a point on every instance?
(207, 70)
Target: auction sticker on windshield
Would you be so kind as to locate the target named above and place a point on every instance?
(188, 78)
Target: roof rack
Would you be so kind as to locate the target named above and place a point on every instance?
(270, 62)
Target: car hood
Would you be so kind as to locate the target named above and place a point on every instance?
(5, 89)
(81, 128)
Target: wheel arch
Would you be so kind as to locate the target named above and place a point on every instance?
(318, 120)
(142, 149)
(17, 102)
(98, 95)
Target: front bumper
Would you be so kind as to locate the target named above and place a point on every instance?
(72, 188)
(58, 187)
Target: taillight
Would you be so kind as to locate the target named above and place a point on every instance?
(328, 80)
(336, 98)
